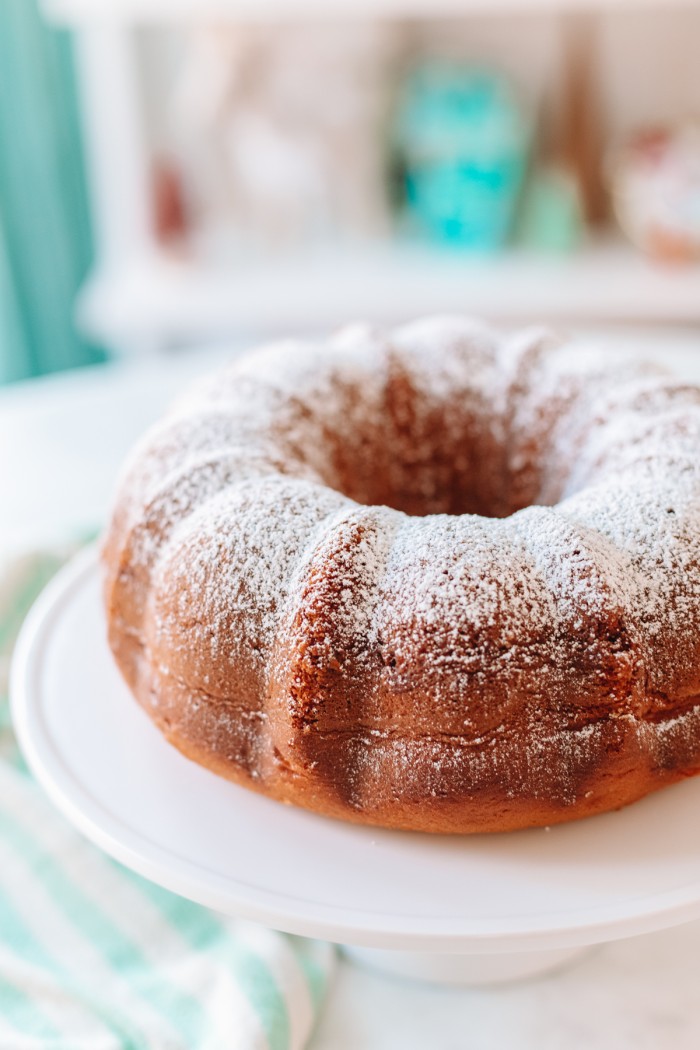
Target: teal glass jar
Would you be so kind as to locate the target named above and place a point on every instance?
(463, 140)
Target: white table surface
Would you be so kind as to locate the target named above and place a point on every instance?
(61, 442)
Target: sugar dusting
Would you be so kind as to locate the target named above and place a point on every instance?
(544, 638)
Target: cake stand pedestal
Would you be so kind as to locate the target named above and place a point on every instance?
(472, 909)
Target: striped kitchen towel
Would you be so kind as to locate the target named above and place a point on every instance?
(93, 957)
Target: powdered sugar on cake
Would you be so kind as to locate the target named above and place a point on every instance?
(495, 524)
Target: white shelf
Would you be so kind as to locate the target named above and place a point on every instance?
(156, 301)
(262, 10)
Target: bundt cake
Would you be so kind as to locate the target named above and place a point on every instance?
(434, 578)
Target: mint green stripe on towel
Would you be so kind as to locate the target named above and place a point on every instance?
(22, 1012)
(19, 940)
(261, 988)
(202, 930)
(182, 1013)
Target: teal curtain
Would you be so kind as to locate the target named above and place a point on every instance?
(45, 242)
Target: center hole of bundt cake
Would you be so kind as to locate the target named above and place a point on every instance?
(419, 444)
(443, 475)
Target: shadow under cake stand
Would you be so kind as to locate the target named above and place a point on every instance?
(472, 909)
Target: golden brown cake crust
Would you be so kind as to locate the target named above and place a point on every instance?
(433, 579)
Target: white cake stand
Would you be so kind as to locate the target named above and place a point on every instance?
(460, 909)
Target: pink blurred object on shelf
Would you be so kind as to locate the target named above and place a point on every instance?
(655, 184)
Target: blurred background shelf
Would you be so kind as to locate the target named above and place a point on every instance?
(170, 10)
(204, 129)
(158, 301)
